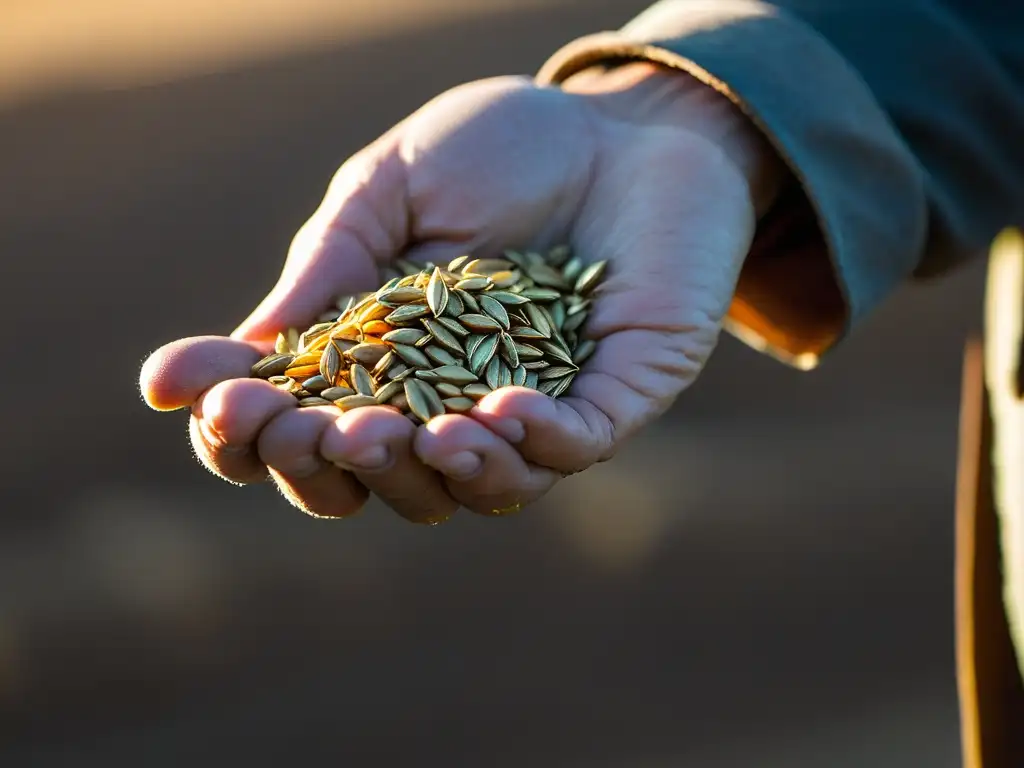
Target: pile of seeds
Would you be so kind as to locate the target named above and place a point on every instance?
(435, 340)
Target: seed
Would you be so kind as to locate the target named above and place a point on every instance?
(272, 365)
(374, 311)
(473, 343)
(458, 404)
(573, 322)
(535, 365)
(385, 363)
(281, 345)
(404, 374)
(437, 293)
(440, 355)
(509, 351)
(361, 380)
(455, 374)
(345, 334)
(544, 275)
(556, 372)
(584, 351)
(396, 297)
(457, 263)
(547, 387)
(281, 381)
(483, 353)
(531, 379)
(540, 294)
(486, 266)
(399, 401)
(403, 336)
(302, 372)
(473, 283)
(392, 281)
(419, 400)
(444, 337)
(590, 277)
(519, 376)
(315, 383)
(504, 279)
(330, 363)
(538, 319)
(368, 354)
(477, 390)
(388, 391)
(412, 356)
(315, 330)
(447, 390)
(396, 369)
(562, 386)
(336, 393)
(493, 308)
(376, 328)
(526, 332)
(309, 402)
(504, 375)
(455, 305)
(468, 300)
(493, 375)
(528, 352)
(451, 323)
(426, 374)
(307, 358)
(557, 311)
(480, 323)
(436, 406)
(505, 297)
(555, 351)
(355, 401)
(313, 343)
(407, 314)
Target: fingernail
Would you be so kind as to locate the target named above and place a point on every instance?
(462, 466)
(510, 429)
(303, 466)
(373, 459)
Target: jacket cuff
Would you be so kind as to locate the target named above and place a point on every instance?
(856, 227)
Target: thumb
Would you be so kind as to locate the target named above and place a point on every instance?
(360, 225)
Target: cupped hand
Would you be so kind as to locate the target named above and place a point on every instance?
(495, 164)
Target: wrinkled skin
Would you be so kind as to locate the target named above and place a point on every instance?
(653, 179)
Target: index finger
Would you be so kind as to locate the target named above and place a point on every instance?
(176, 375)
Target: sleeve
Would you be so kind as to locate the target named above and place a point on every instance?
(902, 122)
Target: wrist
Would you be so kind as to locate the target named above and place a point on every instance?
(644, 94)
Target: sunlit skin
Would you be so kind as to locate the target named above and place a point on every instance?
(652, 171)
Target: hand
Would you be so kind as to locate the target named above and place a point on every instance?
(652, 171)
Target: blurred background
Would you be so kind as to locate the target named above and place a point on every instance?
(765, 578)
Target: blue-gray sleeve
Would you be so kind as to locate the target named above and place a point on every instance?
(902, 122)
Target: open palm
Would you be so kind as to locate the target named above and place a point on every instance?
(490, 165)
